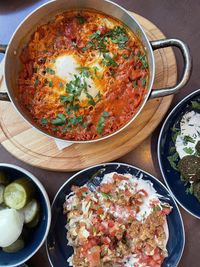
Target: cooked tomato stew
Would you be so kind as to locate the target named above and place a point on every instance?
(83, 75)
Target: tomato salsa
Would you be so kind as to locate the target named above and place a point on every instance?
(83, 75)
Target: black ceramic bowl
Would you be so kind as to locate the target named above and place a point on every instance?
(165, 142)
(57, 249)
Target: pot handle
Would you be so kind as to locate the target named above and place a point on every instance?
(187, 65)
(3, 96)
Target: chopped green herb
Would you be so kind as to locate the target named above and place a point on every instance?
(76, 86)
(156, 208)
(35, 69)
(50, 71)
(172, 150)
(75, 107)
(59, 120)
(195, 104)
(95, 68)
(173, 160)
(44, 121)
(36, 82)
(81, 19)
(143, 60)
(106, 195)
(119, 36)
(109, 61)
(90, 100)
(101, 122)
(53, 60)
(75, 120)
(134, 84)
(68, 98)
(175, 133)
(189, 139)
(84, 71)
(188, 150)
(189, 190)
(124, 56)
(50, 84)
(95, 35)
(143, 80)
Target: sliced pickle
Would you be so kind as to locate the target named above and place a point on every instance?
(18, 193)
(2, 188)
(34, 222)
(14, 247)
(31, 211)
(3, 179)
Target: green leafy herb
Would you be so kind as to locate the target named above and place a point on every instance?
(143, 80)
(68, 98)
(195, 104)
(143, 60)
(90, 100)
(95, 68)
(187, 139)
(119, 36)
(173, 160)
(172, 150)
(50, 71)
(60, 120)
(134, 84)
(36, 82)
(84, 71)
(101, 122)
(76, 86)
(156, 208)
(35, 69)
(106, 195)
(50, 84)
(75, 120)
(81, 19)
(109, 61)
(44, 121)
(95, 35)
(53, 60)
(188, 150)
(189, 190)
(175, 133)
(124, 56)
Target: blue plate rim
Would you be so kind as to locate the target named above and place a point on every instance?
(131, 166)
(185, 99)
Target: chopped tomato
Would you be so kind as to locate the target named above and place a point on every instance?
(166, 211)
(106, 188)
(94, 256)
(100, 211)
(119, 177)
(105, 240)
(111, 223)
(143, 192)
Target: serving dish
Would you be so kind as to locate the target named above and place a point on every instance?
(38, 233)
(171, 176)
(51, 8)
(56, 244)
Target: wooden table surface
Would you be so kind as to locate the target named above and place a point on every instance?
(178, 19)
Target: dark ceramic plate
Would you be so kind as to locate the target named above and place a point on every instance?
(171, 176)
(56, 244)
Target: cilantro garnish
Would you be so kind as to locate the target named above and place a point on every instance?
(101, 122)
(59, 120)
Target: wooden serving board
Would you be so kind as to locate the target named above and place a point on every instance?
(36, 149)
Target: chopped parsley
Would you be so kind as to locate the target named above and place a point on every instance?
(189, 139)
(36, 82)
(68, 98)
(195, 104)
(61, 85)
(101, 122)
(189, 190)
(134, 84)
(75, 120)
(90, 100)
(76, 86)
(44, 121)
(50, 84)
(143, 80)
(81, 19)
(188, 150)
(106, 195)
(84, 71)
(119, 36)
(173, 160)
(175, 133)
(109, 61)
(50, 71)
(35, 69)
(59, 120)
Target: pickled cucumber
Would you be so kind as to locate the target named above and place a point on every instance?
(31, 211)
(14, 247)
(18, 193)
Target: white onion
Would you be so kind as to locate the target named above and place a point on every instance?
(11, 224)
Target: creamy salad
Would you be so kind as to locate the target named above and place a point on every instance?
(122, 224)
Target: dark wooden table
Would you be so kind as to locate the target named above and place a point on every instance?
(179, 19)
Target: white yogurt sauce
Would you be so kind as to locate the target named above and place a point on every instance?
(189, 126)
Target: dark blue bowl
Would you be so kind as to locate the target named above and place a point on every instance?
(57, 249)
(39, 233)
(171, 176)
